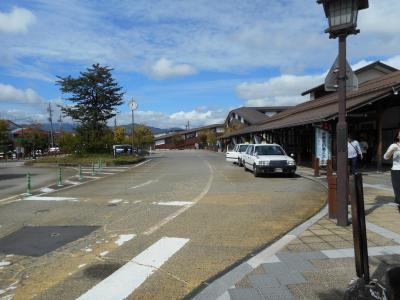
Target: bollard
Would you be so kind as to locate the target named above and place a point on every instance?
(329, 169)
(332, 197)
(316, 167)
(29, 188)
(80, 172)
(93, 171)
(59, 177)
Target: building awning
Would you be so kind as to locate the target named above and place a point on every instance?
(326, 108)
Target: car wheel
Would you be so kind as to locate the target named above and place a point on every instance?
(255, 171)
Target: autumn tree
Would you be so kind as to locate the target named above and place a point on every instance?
(5, 140)
(143, 136)
(119, 135)
(95, 95)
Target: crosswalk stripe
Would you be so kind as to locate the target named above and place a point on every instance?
(47, 198)
(97, 172)
(174, 203)
(130, 276)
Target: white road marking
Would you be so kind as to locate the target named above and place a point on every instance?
(46, 190)
(378, 186)
(174, 203)
(41, 198)
(185, 208)
(124, 238)
(130, 276)
(72, 182)
(4, 263)
(137, 201)
(143, 184)
(81, 266)
(104, 253)
(115, 201)
(97, 172)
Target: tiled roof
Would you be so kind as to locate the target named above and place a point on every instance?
(254, 115)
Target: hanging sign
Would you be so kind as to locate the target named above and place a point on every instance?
(322, 146)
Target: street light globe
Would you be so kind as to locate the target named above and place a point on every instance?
(342, 15)
(133, 105)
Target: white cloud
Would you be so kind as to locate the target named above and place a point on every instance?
(179, 119)
(10, 94)
(16, 21)
(282, 90)
(165, 68)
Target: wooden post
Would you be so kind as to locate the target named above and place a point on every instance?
(379, 126)
(316, 167)
(329, 169)
(332, 197)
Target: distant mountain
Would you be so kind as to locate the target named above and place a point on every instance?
(69, 127)
(155, 130)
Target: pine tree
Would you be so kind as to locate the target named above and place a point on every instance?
(95, 95)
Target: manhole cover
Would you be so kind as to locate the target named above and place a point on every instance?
(101, 270)
(39, 240)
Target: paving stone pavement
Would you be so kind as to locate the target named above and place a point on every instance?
(317, 260)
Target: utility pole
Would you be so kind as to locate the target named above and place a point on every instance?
(60, 120)
(50, 111)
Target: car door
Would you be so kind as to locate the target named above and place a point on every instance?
(251, 156)
(248, 155)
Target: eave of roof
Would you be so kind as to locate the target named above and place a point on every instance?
(325, 108)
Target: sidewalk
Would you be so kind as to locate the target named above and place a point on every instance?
(316, 259)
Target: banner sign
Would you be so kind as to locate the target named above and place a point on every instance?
(322, 146)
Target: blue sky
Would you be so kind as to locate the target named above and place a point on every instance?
(180, 60)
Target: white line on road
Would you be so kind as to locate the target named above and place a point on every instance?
(174, 203)
(72, 182)
(97, 172)
(185, 208)
(46, 190)
(143, 184)
(114, 201)
(123, 238)
(41, 198)
(130, 276)
(378, 186)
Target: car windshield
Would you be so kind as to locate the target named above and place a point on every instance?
(269, 150)
(242, 148)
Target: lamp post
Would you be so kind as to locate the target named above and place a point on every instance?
(133, 106)
(342, 19)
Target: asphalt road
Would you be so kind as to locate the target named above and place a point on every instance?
(13, 177)
(163, 227)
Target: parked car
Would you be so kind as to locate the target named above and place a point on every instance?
(235, 155)
(268, 158)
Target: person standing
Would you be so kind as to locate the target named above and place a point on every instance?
(353, 150)
(394, 152)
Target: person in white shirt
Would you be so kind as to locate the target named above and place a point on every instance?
(393, 152)
(353, 151)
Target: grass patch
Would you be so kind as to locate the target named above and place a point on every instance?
(87, 159)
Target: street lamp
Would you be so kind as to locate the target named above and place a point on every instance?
(342, 18)
(133, 106)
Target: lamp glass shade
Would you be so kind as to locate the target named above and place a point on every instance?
(342, 14)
